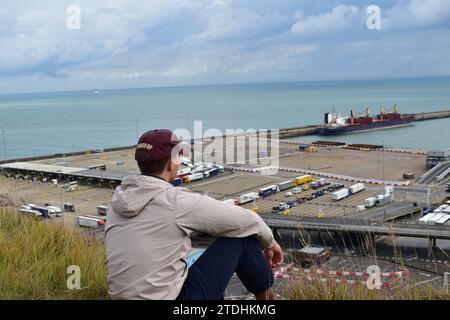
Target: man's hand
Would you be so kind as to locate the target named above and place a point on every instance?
(274, 255)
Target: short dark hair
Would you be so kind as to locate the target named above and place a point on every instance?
(152, 167)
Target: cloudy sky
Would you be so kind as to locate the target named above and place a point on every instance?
(145, 43)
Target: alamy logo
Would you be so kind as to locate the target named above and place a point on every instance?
(374, 20)
(73, 21)
(374, 279)
(74, 280)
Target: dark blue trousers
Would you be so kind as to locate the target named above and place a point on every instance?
(209, 276)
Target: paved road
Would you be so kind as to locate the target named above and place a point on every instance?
(352, 225)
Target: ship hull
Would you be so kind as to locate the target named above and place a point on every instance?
(379, 125)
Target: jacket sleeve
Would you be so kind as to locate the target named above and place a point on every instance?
(201, 213)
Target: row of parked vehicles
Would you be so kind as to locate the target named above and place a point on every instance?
(272, 189)
(46, 211)
(197, 171)
(325, 188)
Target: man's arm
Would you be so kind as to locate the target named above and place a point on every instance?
(205, 214)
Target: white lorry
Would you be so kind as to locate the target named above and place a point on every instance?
(248, 197)
(370, 202)
(90, 222)
(57, 210)
(383, 199)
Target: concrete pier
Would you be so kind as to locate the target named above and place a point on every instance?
(432, 115)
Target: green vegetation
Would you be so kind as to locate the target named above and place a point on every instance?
(317, 290)
(34, 257)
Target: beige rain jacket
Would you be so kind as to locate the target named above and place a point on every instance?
(147, 235)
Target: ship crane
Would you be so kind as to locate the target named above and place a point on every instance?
(354, 115)
(394, 109)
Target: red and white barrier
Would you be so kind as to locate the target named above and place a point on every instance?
(403, 273)
(327, 276)
(326, 175)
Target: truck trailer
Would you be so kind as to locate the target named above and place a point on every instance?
(267, 191)
(358, 187)
(286, 185)
(340, 194)
(89, 222)
(303, 179)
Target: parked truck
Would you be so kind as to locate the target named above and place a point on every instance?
(69, 207)
(267, 191)
(57, 210)
(248, 197)
(102, 210)
(383, 199)
(340, 194)
(358, 187)
(45, 212)
(90, 222)
(388, 190)
(303, 179)
(370, 202)
(286, 185)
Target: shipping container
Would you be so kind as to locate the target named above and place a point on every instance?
(303, 179)
(341, 194)
(286, 185)
(358, 187)
(267, 191)
(248, 197)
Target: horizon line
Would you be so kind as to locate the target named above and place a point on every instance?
(227, 84)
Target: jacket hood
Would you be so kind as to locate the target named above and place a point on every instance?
(135, 192)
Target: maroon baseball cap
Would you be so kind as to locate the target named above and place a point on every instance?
(157, 144)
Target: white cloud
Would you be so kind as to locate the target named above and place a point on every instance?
(341, 17)
(418, 13)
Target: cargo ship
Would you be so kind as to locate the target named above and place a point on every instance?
(336, 124)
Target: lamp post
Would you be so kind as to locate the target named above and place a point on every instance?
(137, 131)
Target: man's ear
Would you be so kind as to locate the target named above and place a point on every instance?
(170, 166)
